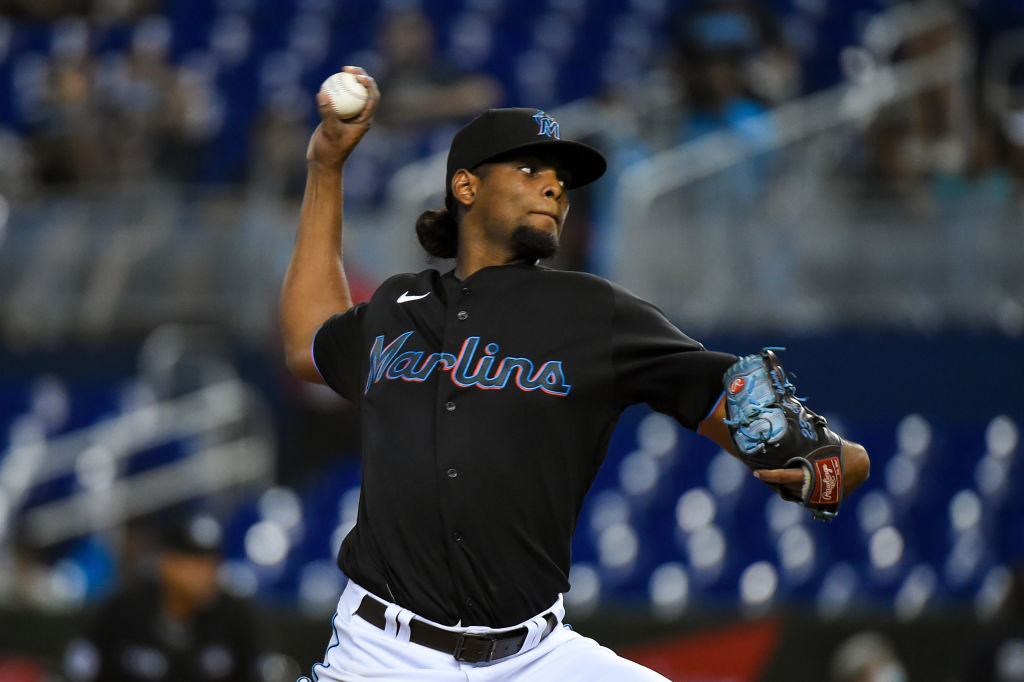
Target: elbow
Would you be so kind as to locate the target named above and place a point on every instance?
(293, 363)
(300, 363)
(865, 464)
(858, 465)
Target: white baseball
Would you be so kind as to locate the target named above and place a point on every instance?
(348, 96)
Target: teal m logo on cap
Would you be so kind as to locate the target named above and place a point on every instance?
(548, 125)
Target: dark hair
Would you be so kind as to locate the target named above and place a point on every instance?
(438, 228)
(438, 231)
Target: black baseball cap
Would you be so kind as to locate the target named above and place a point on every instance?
(198, 535)
(497, 132)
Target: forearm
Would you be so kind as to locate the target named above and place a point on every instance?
(714, 429)
(856, 464)
(315, 286)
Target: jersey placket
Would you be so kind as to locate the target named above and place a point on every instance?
(450, 445)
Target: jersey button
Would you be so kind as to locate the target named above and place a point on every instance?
(450, 406)
(452, 473)
(457, 536)
(465, 291)
(469, 602)
(462, 315)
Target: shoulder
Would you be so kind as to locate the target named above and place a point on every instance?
(635, 315)
(595, 290)
(586, 280)
(575, 280)
(624, 299)
(138, 597)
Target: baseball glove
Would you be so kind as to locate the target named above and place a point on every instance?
(773, 429)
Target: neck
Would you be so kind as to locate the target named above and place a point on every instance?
(463, 270)
(475, 255)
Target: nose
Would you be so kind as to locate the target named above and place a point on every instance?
(553, 189)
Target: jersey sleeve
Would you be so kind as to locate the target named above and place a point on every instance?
(657, 364)
(337, 351)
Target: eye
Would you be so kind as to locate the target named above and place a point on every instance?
(526, 169)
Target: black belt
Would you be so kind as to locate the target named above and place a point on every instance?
(467, 647)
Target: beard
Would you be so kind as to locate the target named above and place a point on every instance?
(531, 245)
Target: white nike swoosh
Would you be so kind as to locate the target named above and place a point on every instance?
(406, 297)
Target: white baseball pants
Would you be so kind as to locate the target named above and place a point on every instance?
(359, 651)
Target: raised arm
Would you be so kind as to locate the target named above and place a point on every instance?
(315, 286)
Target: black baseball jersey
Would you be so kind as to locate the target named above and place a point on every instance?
(133, 640)
(487, 406)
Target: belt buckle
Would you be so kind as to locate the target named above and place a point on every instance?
(472, 647)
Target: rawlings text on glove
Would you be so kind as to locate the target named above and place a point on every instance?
(773, 429)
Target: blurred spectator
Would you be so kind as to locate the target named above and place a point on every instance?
(123, 118)
(728, 65)
(1002, 95)
(65, 125)
(997, 654)
(173, 625)
(15, 170)
(886, 168)
(866, 657)
(196, 116)
(422, 89)
(25, 579)
(942, 125)
(103, 11)
(426, 99)
(144, 110)
(280, 134)
(917, 146)
(734, 65)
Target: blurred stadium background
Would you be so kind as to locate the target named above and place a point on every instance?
(842, 178)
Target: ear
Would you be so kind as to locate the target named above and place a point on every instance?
(464, 185)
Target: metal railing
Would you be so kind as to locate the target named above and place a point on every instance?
(219, 431)
(767, 230)
(774, 230)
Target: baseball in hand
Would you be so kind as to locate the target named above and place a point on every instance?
(348, 96)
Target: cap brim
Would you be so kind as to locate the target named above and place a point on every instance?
(584, 163)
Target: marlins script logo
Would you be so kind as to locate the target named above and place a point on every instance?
(486, 370)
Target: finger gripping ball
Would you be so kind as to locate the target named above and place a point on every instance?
(348, 96)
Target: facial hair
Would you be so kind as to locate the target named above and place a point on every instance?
(531, 245)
